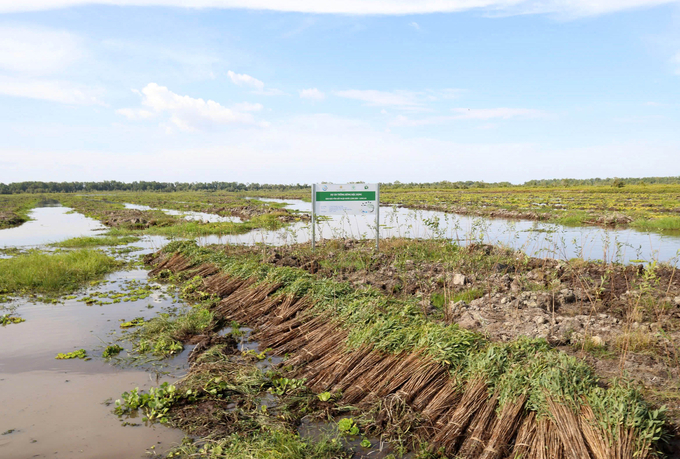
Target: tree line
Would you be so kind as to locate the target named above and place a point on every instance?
(168, 187)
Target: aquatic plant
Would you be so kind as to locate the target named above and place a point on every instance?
(112, 351)
(7, 319)
(79, 354)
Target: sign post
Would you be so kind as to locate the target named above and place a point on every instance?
(346, 199)
(313, 215)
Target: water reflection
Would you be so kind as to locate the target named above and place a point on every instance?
(534, 238)
(50, 223)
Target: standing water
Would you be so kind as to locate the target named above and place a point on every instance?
(534, 238)
(49, 224)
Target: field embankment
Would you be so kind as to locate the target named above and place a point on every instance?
(378, 332)
(14, 209)
(111, 211)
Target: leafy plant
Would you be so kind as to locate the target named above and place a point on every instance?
(283, 386)
(155, 404)
(348, 426)
(79, 354)
(324, 396)
(136, 322)
(111, 351)
(7, 319)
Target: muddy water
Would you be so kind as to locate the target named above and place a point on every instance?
(55, 408)
(535, 238)
(49, 224)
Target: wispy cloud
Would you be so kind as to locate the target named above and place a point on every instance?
(188, 113)
(37, 51)
(364, 7)
(51, 90)
(414, 25)
(241, 79)
(33, 61)
(375, 98)
(312, 93)
(471, 114)
(194, 62)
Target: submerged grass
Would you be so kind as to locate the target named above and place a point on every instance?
(162, 336)
(53, 273)
(656, 224)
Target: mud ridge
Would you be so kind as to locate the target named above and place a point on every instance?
(457, 421)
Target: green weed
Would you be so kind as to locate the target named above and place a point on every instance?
(38, 272)
(79, 354)
(85, 242)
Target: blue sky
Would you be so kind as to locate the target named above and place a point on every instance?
(297, 91)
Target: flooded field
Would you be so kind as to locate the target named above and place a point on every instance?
(60, 408)
(217, 297)
(534, 238)
(49, 224)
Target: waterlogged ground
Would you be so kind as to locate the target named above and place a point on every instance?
(58, 408)
(49, 224)
(61, 408)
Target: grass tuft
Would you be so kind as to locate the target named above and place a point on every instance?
(58, 273)
(101, 241)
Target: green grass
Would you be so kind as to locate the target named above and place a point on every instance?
(663, 223)
(100, 241)
(58, 273)
(193, 229)
(267, 444)
(162, 336)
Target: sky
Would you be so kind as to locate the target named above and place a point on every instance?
(298, 91)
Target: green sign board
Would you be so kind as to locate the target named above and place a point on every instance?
(345, 195)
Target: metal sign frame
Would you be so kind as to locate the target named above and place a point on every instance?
(377, 216)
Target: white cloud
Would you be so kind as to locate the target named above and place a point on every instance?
(372, 97)
(37, 51)
(241, 79)
(312, 93)
(415, 25)
(188, 113)
(54, 91)
(363, 7)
